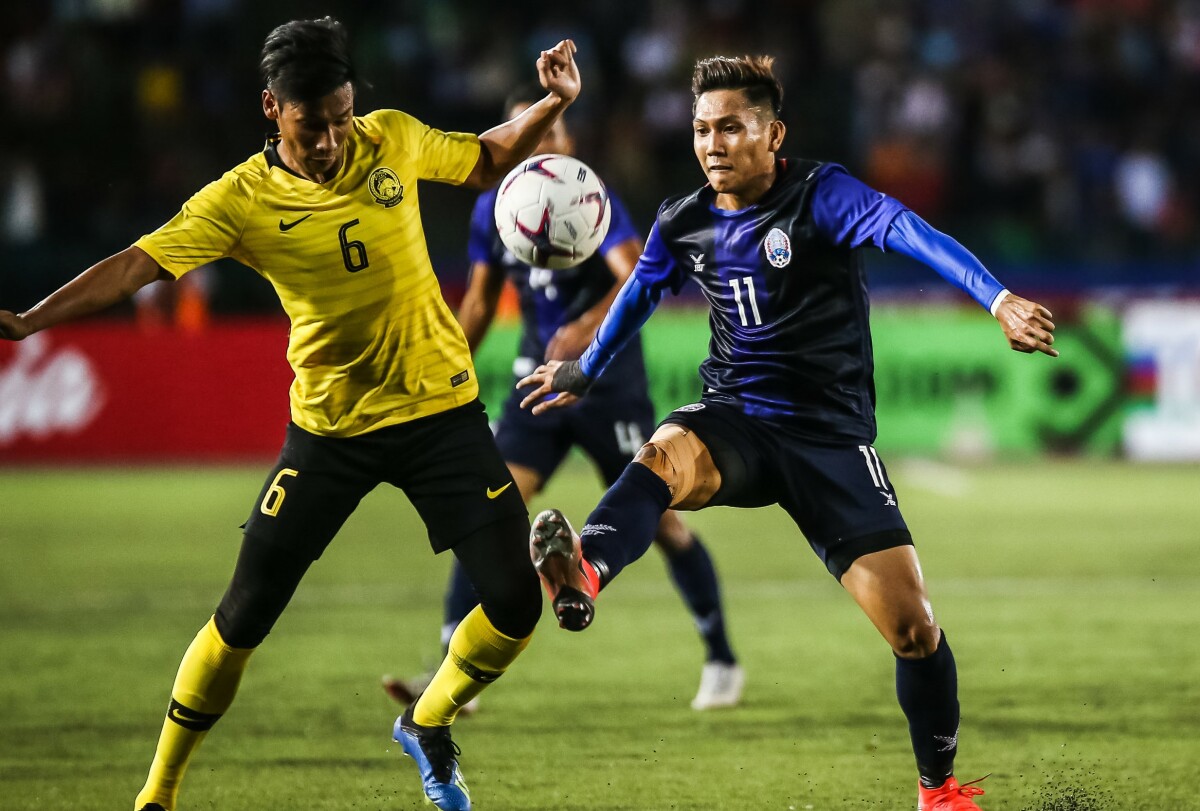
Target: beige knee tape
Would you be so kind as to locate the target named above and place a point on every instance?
(679, 458)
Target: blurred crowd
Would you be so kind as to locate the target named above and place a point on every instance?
(1033, 130)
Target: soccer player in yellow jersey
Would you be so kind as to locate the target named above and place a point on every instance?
(384, 389)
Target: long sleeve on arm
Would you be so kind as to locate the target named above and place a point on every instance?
(655, 272)
(912, 236)
(632, 306)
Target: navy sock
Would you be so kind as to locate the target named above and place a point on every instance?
(622, 527)
(461, 600)
(694, 574)
(928, 693)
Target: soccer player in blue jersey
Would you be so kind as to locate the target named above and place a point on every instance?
(788, 411)
(560, 311)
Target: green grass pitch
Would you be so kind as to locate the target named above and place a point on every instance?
(1070, 591)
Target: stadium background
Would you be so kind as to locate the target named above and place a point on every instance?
(1058, 140)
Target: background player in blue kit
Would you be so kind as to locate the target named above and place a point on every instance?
(560, 312)
(788, 411)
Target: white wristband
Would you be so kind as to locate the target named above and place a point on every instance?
(1001, 296)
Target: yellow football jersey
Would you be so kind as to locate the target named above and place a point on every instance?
(372, 341)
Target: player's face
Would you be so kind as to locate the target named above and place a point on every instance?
(314, 133)
(557, 141)
(736, 143)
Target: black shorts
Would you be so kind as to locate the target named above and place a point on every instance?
(609, 425)
(839, 495)
(446, 464)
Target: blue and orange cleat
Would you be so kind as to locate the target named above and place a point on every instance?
(436, 757)
(570, 581)
(950, 796)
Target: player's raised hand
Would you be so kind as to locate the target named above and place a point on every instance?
(553, 378)
(13, 327)
(558, 72)
(1027, 325)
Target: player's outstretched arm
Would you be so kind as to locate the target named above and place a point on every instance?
(571, 379)
(504, 146)
(12, 326)
(1027, 325)
(102, 285)
(569, 340)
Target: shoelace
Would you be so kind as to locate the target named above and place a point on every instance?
(442, 751)
(969, 788)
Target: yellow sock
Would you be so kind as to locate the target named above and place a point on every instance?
(478, 655)
(204, 688)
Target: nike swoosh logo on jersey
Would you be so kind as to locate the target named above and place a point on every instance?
(494, 493)
(289, 226)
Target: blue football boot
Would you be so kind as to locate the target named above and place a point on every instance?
(436, 756)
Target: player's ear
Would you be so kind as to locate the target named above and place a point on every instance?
(777, 129)
(270, 105)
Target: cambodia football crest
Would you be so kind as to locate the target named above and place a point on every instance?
(778, 248)
(385, 187)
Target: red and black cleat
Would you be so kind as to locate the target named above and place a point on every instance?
(950, 796)
(570, 581)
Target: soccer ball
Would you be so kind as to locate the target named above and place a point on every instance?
(552, 212)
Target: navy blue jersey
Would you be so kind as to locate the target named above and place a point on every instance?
(552, 298)
(791, 342)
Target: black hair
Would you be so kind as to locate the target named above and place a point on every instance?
(529, 93)
(305, 60)
(751, 74)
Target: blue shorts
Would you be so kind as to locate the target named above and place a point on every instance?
(610, 426)
(839, 495)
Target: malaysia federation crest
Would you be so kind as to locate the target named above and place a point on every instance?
(778, 248)
(385, 187)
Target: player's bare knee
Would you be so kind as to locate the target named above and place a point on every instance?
(654, 458)
(915, 639)
(680, 459)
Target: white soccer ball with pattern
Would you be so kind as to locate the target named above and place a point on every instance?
(552, 212)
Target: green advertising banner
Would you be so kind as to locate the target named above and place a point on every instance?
(947, 384)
